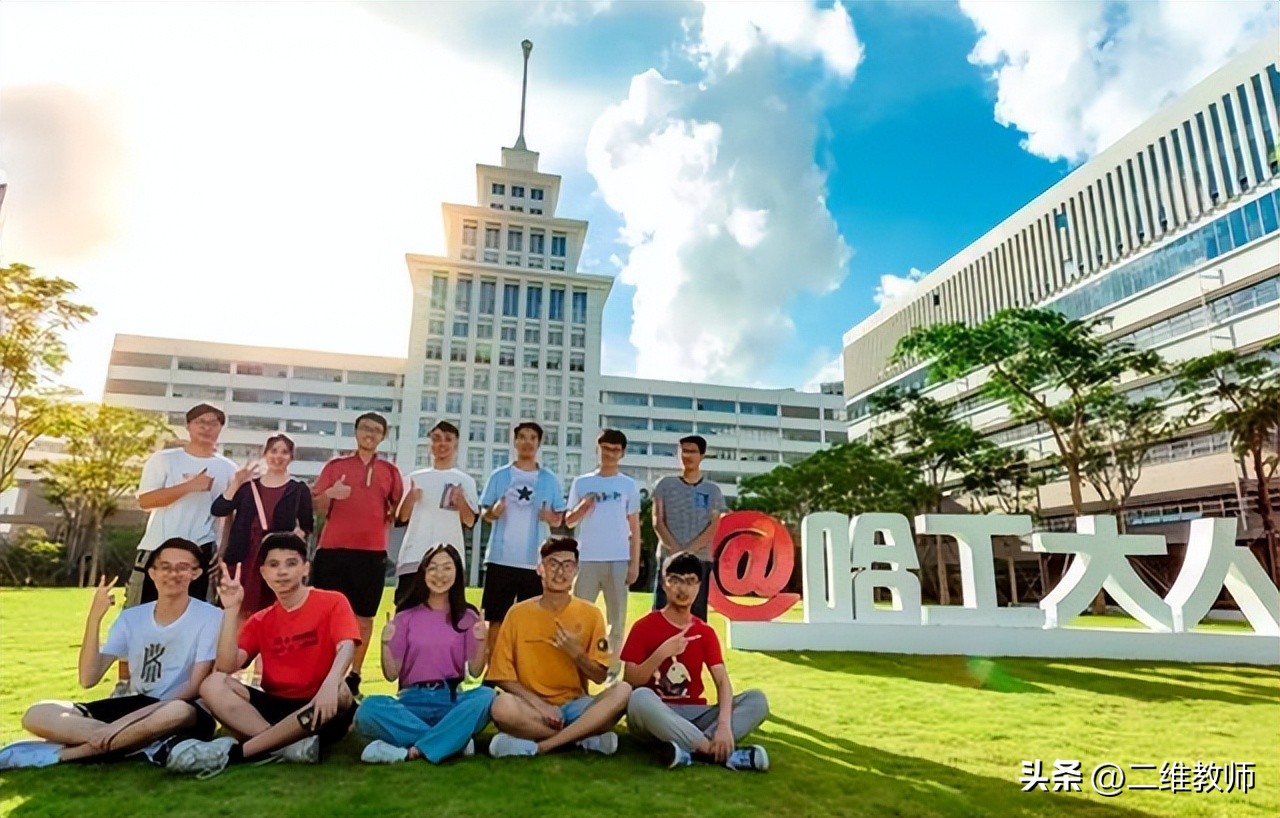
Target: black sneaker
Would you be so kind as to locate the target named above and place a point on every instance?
(353, 683)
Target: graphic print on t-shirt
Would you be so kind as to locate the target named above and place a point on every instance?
(674, 682)
(523, 495)
(151, 667)
(282, 646)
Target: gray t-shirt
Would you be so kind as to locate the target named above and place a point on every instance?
(687, 509)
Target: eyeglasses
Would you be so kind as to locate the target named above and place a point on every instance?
(561, 566)
(687, 580)
(371, 428)
(206, 421)
(180, 568)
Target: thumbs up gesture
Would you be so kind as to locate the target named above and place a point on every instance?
(339, 490)
(201, 481)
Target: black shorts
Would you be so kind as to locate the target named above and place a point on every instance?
(504, 586)
(403, 583)
(109, 710)
(359, 575)
(276, 709)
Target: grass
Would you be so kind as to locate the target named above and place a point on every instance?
(851, 734)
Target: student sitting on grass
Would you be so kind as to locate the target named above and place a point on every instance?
(435, 641)
(170, 643)
(664, 656)
(549, 647)
(306, 639)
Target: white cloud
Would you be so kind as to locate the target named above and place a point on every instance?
(1076, 75)
(723, 208)
(569, 12)
(832, 369)
(893, 289)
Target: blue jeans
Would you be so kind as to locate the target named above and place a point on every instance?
(427, 718)
(699, 603)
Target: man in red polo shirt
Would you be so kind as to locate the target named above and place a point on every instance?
(357, 494)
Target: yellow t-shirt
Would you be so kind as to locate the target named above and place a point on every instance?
(525, 654)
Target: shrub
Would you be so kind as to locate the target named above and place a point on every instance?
(29, 558)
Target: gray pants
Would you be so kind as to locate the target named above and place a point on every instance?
(648, 717)
(611, 578)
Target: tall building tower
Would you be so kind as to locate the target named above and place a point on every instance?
(504, 327)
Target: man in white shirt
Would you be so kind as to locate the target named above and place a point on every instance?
(437, 503)
(605, 509)
(172, 643)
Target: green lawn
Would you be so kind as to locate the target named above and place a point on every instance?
(851, 734)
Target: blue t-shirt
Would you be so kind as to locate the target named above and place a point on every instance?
(517, 546)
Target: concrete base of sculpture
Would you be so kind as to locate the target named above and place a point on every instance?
(991, 640)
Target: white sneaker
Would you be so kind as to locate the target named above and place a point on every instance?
(751, 757)
(382, 752)
(303, 751)
(605, 743)
(204, 759)
(26, 754)
(470, 749)
(504, 745)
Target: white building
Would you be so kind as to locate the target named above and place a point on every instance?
(1171, 234)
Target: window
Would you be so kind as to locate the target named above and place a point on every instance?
(517, 208)
(180, 390)
(262, 370)
(578, 339)
(528, 408)
(532, 335)
(802, 435)
(153, 388)
(554, 356)
(579, 307)
(430, 376)
(492, 237)
(551, 436)
(311, 427)
(531, 359)
(555, 336)
(501, 431)
(663, 449)
(435, 326)
(536, 211)
(429, 404)
(556, 264)
(555, 307)
(484, 329)
(497, 189)
(551, 411)
(434, 350)
(461, 329)
(515, 240)
(497, 458)
(668, 425)
(458, 353)
(517, 191)
(480, 380)
(502, 406)
(551, 460)
(312, 400)
(488, 297)
(624, 398)
(505, 382)
(557, 244)
(439, 290)
(475, 458)
(529, 383)
(476, 431)
(311, 373)
(457, 377)
(552, 384)
(453, 404)
(145, 361)
(763, 409)
(361, 404)
(469, 234)
(806, 412)
(533, 302)
(204, 365)
(253, 424)
(576, 387)
(672, 402)
(537, 242)
(715, 428)
(506, 356)
(708, 405)
(511, 300)
(535, 193)
(577, 363)
(462, 296)
(512, 260)
(509, 332)
(479, 405)
(575, 412)
(573, 438)
(371, 378)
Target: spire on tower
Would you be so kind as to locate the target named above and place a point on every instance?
(526, 46)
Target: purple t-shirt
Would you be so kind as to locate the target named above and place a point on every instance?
(428, 647)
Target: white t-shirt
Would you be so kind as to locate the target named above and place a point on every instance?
(161, 658)
(434, 521)
(603, 535)
(189, 517)
(520, 512)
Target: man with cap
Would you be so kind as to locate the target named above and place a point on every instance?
(177, 489)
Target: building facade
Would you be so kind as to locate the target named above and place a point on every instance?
(1170, 236)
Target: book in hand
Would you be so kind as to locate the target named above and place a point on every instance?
(446, 497)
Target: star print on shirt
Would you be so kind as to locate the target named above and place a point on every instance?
(524, 494)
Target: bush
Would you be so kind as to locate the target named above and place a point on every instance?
(119, 546)
(29, 558)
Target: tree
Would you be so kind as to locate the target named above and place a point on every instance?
(35, 311)
(1004, 475)
(850, 478)
(1242, 394)
(105, 446)
(1048, 368)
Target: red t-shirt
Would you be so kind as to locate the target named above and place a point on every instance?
(298, 646)
(361, 521)
(677, 680)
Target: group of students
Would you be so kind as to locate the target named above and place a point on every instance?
(279, 665)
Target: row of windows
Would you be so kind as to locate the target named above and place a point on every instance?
(503, 407)
(714, 405)
(145, 360)
(1216, 311)
(483, 353)
(269, 397)
(515, 243)
(688, 427)
(1203, 162)
(270, 425)
(508, 331)
(501, 381)
(517, 191)
(486, 298)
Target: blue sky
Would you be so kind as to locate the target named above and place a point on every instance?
(758, 176)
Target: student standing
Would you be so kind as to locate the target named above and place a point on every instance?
(686, 510)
